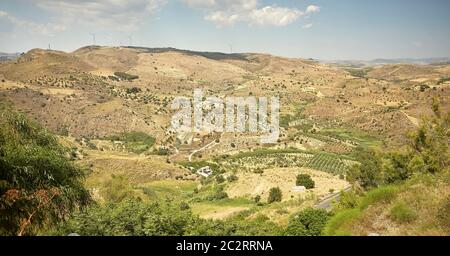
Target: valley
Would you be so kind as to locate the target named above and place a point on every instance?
(111, 106)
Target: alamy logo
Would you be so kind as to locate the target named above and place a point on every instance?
(232, 114)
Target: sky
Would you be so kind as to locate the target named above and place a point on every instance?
(319, 29)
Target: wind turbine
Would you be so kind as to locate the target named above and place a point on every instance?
(93, 38)
(130, 38)
(231, 48)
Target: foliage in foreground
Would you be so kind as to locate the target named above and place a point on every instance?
(134, 217)
(39, 185)
(309, 222)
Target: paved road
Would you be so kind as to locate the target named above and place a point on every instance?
(327, 203)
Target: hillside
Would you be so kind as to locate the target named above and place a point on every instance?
(418, 207)
(111, 107)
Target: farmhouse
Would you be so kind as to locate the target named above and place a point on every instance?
(298, 188)
(205, 171)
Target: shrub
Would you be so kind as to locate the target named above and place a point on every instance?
(128, 218)
(133, 90)
(309, 222)
(184, 206)
(402, 213)
(220, 179)
(39, 185)
(161, 151)
(305, 180)
(275, 195)
(348, 200)
(217, 194)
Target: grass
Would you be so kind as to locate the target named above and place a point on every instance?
(402, 213)
(357, 72)
(380, 195)
(169, 188)
(362, 138)
(136, 142)
(228, 205)
(340, 224)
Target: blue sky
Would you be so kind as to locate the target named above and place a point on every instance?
(322, 29)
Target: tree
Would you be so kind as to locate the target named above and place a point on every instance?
(220, 179)
(275, 195)
(366, 175)
(39, 185)
(305, 180)
(309, 222)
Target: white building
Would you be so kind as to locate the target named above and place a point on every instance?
(205, 171)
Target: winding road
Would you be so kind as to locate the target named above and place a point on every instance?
(327, 202)
(212, 143)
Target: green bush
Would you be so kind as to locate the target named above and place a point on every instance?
(217, 194)
(402, 213)
(133, 90)
(309, 222)
(305, 180)
(220, 179)
(129, 218)
(348, 200)
(162, 151)
(39, 184)
(275, 195)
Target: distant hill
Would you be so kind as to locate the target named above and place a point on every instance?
(378, 62)
(9, 56)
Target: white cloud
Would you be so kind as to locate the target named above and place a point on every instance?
(120, 15)
(48, 29)
(274, 16)
(228, 12)
(307, 26)
(224, 5)
(222, 19)
(312, 9)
